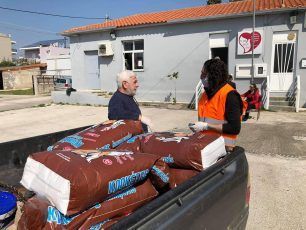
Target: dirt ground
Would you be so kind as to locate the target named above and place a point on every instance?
(275, 147)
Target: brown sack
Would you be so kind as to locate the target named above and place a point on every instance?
(107, 135)
(188, 151)
(75, 180)
(160, 175)
(133, 144)
(38, 213)
(178, 176)
(107, 224)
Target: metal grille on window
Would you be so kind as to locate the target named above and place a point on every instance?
(283, 57)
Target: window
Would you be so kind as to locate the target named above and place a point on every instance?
(133, 55)
(283, 58)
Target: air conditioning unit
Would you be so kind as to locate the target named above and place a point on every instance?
(105, 49)
(261, 70)
(243, 71)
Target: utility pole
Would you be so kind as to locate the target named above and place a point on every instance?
(253, 30)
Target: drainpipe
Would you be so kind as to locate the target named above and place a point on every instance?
(253, 30)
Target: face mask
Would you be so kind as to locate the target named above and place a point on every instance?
(205, 82)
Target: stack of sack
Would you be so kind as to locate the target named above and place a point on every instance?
(81, 188)
(92, 179)
(186, 154)
(107, 135)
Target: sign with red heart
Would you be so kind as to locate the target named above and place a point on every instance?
(245, 42)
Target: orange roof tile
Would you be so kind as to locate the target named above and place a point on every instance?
(224, 9)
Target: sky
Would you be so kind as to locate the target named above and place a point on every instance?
(26, 28)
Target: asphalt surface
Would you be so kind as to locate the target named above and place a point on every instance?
(14, 102)
(284, 139)
(275, 148)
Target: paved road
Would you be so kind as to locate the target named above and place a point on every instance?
(13, 102)
(275, 147)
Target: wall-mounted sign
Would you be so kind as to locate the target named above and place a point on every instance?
(303, 63)
(244, 42)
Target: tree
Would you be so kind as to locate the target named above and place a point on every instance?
(211, 2)
(174, 77)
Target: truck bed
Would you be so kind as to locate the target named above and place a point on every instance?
(214, 199)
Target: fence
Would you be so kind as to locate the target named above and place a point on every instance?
(44, 84)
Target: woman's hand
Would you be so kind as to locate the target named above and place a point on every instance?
(198, 126)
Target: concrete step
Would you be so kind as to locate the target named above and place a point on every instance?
(282, 103)
(282, 108)
(279, 99)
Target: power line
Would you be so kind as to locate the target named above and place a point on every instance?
(53, 15)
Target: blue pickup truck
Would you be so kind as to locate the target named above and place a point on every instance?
(216, 198)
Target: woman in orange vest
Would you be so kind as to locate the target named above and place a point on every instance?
(220, 107)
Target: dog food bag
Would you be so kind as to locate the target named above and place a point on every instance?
(160, 175)
(178, 176)
(188, 151)
(75, 180)
(106, 224)
(133, 144)
(40, 214)
(107, 135)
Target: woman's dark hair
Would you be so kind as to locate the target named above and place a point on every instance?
(230, 77)
(254, 86)
(217, 72)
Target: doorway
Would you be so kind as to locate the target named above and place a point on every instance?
(221, 52)
(1, 81)
(92, 73)
(283, 56)
(218, 44)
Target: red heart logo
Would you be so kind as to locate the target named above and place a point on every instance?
(245, 40)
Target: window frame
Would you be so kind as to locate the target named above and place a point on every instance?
(133, 51)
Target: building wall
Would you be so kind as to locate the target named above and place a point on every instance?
(31, 54)
(59, 65)
(46, 52)
(181, 48)
(5, 48)
(19, 79)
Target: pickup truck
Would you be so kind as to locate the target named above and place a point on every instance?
(216, 198)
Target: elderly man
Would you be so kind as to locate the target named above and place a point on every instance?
(123, 105)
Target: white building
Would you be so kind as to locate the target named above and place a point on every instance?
(157, 44)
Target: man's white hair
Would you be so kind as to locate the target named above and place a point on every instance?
(125, 75)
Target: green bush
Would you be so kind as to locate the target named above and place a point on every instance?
(7, 64)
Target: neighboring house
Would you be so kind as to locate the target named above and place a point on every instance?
(58, 65)
(157, 44)
(39, 51)
(19, 77)
(7, 51)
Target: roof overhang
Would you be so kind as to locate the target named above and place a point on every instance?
(187, 20)
(245, 14)
(30, 48)
(76, 33)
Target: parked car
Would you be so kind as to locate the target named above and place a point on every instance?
(216, 198)
(62, 83)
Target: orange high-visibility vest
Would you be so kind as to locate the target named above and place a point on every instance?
(212, 111)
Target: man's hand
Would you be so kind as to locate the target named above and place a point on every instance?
(147, 121)
(198, 126)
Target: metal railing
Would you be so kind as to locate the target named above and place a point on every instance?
(198, 91)
(297, 93)
(267, 93)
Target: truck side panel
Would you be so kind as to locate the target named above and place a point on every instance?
(13, 154)
(214, 199)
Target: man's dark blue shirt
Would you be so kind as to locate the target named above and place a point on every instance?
(124, 107)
